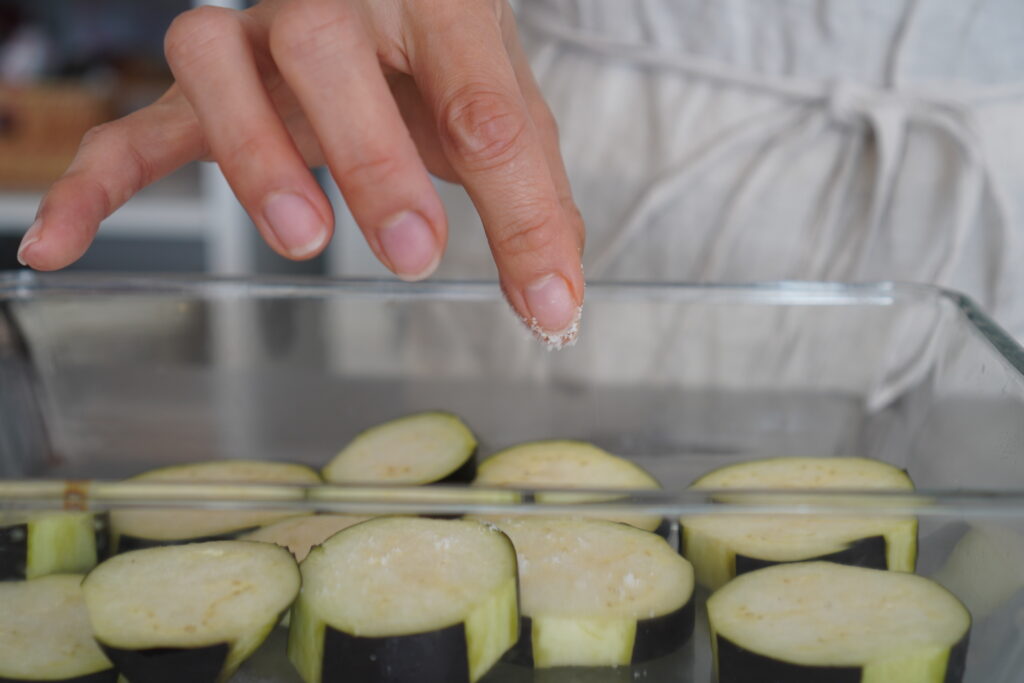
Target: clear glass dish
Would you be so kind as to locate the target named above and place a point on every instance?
(105, 377)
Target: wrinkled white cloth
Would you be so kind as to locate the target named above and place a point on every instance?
(753, 140)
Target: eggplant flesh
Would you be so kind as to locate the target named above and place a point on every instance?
(568, 464)
(722, 547)
(645, 640)
(201, 609)
(135, 529)
(45, 633)
(302, 534)
(422, 448)
(595, 593)
(402, 599)
(821, 622)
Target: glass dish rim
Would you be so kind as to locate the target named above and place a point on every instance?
(102, 495)
(22, 284)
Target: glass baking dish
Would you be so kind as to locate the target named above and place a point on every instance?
(104, 377)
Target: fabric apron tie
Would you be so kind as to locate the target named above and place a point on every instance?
(886, 112)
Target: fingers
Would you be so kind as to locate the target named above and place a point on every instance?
(420, 122)
(493, 144)
(543, 119)
(210, 54)
(325, 52)
(114, 162)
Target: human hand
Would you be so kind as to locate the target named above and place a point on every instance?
(382, 91)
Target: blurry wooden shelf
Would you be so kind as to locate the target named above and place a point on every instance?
(172, 207)
(142, 216)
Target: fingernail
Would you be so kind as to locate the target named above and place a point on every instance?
(555, 315)
(410, 246)
(30, 238)
(295, 223)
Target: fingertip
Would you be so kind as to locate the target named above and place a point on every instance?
(553, 309)
(30, 238)
(410, 246)
(36, 254)
(298, 227)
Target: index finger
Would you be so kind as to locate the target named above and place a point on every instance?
(486, 131)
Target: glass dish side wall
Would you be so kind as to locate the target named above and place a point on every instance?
(109, 377)
(106, 378)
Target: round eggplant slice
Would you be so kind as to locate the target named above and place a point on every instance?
(399, 599)
(598, 593)
(425, 448)
(45, 633)
(189, 612)
(42, 543)
(723, 546)
(821, 622)
(301, 534)
(569, 465)
(134, 529)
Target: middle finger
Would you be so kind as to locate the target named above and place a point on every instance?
(326, 54)
(209, 52)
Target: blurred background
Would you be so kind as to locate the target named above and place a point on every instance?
(68, 65)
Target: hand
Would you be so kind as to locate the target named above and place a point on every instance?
(382, 91)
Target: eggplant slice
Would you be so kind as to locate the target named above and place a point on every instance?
(45, 633)
(399, 599)
(723, 546)
(821, 622)
(569, 465)
(301, 534)
(134, 529)
(189, 612)
(597, 593)
(424, 448)
(43, 543)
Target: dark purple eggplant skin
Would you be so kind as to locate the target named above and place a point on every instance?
(103, 538)
(439, 656)
(465, 473)
(957, 664)
(169, 664)
(739, 665)
(106, 676)
(660, 636)
(655, 637)
(665, 530)
(13, 551)
(128, 543)
(868, 552)
(522, 651)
